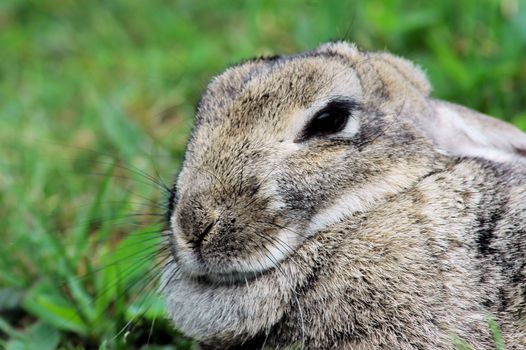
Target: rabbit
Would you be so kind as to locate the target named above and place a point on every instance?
(326, 201)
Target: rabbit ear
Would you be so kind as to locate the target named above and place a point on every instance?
(391, 69)
(460, 131)
(394, 69)
(341, 48)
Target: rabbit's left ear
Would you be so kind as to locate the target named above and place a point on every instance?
(341, 48)
(398, 75)
(460, 131)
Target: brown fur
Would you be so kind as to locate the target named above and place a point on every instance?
(407, 233)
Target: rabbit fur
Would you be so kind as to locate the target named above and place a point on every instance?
(404, 230)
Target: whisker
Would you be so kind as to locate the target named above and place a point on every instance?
(130, 270)
(120, 260)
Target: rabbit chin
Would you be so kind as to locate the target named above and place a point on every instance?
(221, 312)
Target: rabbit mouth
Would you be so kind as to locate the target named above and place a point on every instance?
(205, 275)
(230, 279)
(214, 268)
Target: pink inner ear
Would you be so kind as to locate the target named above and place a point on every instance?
(460, 131)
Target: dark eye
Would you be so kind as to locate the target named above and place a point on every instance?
(330, 120)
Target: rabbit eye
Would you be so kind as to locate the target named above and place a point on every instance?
(330, 120)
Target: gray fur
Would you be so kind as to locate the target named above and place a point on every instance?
(406, 234)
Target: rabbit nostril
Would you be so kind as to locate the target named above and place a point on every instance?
(207, 229)
(196, 243)
(255, 190)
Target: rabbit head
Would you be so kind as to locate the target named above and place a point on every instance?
(283, 148)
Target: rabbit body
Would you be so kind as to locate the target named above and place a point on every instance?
(403, 229)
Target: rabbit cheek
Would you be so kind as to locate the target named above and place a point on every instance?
(307, 182)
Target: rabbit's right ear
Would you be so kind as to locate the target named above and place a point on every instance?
(459, 131)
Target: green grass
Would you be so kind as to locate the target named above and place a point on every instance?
(95, 92)
(496, 333)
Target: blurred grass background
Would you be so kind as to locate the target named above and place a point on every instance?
(94, 94)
